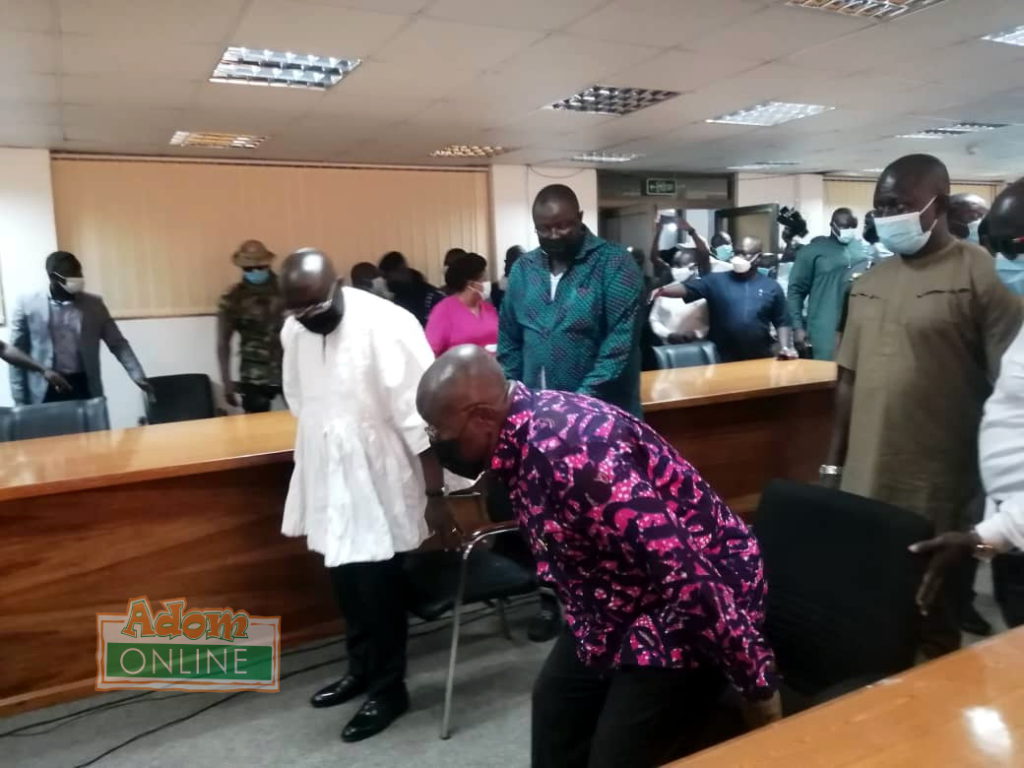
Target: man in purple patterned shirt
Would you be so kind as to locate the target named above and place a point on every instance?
(662, 585)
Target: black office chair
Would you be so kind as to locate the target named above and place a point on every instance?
(438, 582)
(182, 397)
(686, 355)
(841, 586)
(25, 422)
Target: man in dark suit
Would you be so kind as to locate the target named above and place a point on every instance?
(62, 328)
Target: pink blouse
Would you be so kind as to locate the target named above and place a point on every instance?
(451, 323)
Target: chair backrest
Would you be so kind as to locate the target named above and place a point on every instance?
(686, 355)
(182, 397)
(841, 584)
(25, 422)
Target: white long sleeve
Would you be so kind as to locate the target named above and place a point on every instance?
(1001, 453)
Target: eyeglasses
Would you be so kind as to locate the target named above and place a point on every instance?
(313, 309)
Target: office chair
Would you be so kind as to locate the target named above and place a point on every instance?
(182, 397)
(686, 355)
(439, 581)
(841, 586)
(25, 422)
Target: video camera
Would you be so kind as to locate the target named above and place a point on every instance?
(791, 220)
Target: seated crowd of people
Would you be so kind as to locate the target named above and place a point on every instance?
(654, 589)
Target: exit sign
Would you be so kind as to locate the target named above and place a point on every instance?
(661, 187)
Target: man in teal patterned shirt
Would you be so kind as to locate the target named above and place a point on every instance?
(569, 318)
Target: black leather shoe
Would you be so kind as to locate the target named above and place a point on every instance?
(337, 693)
(374, 716)
(544, 625)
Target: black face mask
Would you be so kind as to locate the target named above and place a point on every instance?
(563, 248)
(451, 459)
(323, 322)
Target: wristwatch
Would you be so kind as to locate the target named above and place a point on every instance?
(984, 552)
(439, 493)
(830, 470)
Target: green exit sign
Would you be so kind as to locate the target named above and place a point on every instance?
(661, 187)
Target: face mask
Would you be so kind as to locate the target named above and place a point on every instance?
(972, 231)
(723, 252)
(740, 265)
(902, 233)
(448, 454)
(681, 274)
(72, 285)
(256, 276)
(563, 248)
(846, 235)
(482, 287)
(764, 271)
(1011, 263)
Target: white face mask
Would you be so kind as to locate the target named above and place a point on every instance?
(846, 235)
(972, 231)
(681, 274)
(902, 233)
(483, 288)
(740, 265)
(72, 285)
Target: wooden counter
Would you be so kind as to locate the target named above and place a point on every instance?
(194, 509)
(961, 711)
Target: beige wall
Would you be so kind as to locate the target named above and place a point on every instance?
(155, 237)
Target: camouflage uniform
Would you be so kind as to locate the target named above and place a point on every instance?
(255, 313)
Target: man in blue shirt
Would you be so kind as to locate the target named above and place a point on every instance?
(743, 305)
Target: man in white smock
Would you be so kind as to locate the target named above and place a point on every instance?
(366, 485)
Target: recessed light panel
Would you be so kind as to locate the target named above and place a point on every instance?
(770, 113)
(959, 129)
(609, 100)
(879, 10)
(605, 157)
(468, 150)
(764, 165)
(216, 140)
(260, 66)
(1013, 36)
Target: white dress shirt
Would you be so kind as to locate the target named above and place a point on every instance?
(1001, 452)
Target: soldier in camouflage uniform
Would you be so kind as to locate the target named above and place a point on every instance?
(252, 308)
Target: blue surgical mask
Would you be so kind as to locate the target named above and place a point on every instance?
(972, 231)
(256, 276)
(764, 271)
(903, 233)
(723, 252)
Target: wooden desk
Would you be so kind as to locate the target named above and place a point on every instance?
(194, 509)
(964, 710)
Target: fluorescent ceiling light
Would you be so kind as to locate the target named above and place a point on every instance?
(468, 150)
(1013, 36)
(764, 165)
(958, 129)
(259, 66)
(216, 140)
(879, 10)
(609, 100)
(770, 113)
(605, 157)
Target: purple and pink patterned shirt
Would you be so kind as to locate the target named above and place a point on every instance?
(653, 569)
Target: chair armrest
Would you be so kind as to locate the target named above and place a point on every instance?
(484, 532)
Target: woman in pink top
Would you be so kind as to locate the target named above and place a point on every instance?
(466, 316)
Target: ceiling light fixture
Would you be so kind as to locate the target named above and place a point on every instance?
(879, 10)
(609, 100)
(764, 165)
(1013, 36)
(468, 150)
(605, 157)
(958, 129)
(770, 113)
(216, 140)
(260, 66)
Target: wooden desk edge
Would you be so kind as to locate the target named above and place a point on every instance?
(32, 490)
(739, 394)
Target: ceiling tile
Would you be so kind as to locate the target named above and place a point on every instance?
(380, 6)
(682, 70)
(129, 125)
(659, 23)
(82, 55)
(576, 60)
(318, 29)
(28, 52)
(122, 90)
(238, 96)
(29, 135)
(194, 21)
(234, 120)
(27, 88)
(378, 81)
(27, 15)
(30, 114)
(522, 14)
(429, 43)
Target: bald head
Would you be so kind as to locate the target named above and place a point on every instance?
(556, 194)
(750, 246)
(307, 278)
(1006, 221)
(461, 378)
(964, 210)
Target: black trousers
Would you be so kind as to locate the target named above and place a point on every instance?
(79, 389)
(371, 599)
(1008, 585)
(256, 398)
(632, 717)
